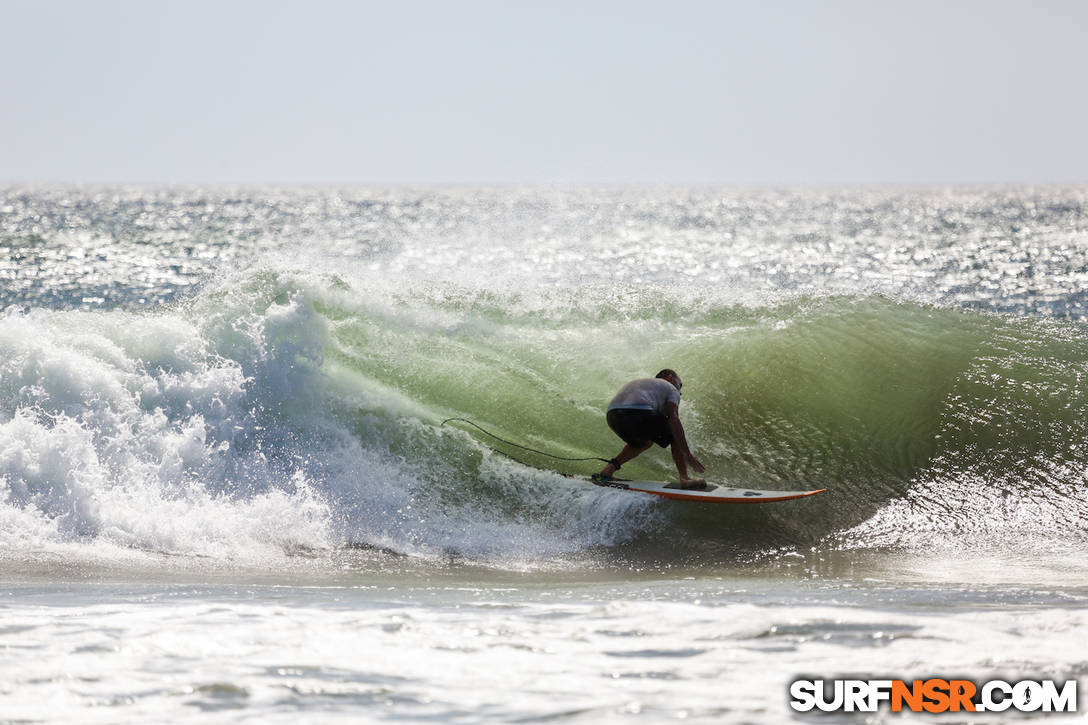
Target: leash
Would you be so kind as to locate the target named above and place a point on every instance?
(524, 448)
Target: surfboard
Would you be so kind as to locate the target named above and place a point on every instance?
(711, 494)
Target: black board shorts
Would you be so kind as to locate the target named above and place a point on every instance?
(639, 427)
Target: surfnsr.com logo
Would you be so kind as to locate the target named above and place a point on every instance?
(933, 695)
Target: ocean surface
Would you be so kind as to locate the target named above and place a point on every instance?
(227, 493)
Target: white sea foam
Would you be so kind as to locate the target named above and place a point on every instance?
(693, 650)
(121, 428)
(208, 431)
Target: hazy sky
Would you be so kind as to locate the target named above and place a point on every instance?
(754, 92)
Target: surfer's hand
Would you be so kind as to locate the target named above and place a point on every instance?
(694, 463)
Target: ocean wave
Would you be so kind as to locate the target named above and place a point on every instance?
(280, 411)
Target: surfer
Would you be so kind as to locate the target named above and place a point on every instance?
(644, 412)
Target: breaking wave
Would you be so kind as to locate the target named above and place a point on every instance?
(281, 412)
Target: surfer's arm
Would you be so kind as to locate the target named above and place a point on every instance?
(681, 454)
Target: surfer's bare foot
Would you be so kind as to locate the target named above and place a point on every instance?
(692, 483)
(607, 471)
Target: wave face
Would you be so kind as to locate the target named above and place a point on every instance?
(286, 413)
(295, 404)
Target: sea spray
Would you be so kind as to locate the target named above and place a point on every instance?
(282, 409)
(268, 368)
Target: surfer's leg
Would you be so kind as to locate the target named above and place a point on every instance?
(629, 451)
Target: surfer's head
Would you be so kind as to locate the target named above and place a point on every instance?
(670, 375)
